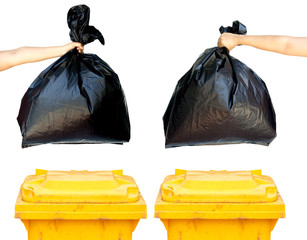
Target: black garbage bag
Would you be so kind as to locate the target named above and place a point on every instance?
(218, 101)
(78, 99)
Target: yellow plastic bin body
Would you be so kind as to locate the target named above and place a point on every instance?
(219, 205)
(79, 205)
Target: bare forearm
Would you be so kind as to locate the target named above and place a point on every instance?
(35, 54)
(295, 46)
(265, 42)
(23, 55)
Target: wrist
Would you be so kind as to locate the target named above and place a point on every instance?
(239, 39)
(65, 48)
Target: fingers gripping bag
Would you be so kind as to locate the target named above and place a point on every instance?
(219, 101)
(77, 99)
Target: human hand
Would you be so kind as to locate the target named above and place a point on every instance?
(228, 40)
(72, 45)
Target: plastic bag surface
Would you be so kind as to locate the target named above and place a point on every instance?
(77, 99)
(219, 101)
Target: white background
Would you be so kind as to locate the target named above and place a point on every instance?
(151, 44)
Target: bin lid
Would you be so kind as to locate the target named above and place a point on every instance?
(79, 187)
(218, 187)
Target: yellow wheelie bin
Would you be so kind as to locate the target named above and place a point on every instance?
(78, 205)
(219, 205)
